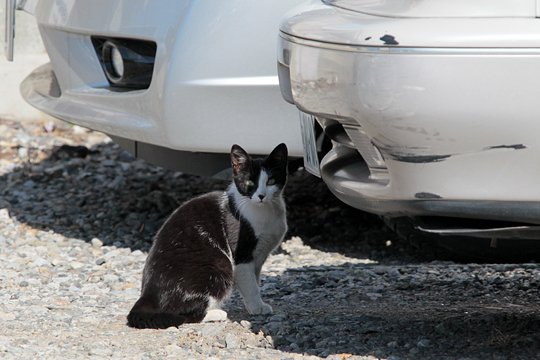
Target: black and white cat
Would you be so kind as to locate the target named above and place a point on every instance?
(213, 242)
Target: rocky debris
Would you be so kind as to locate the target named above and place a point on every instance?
(77, 215)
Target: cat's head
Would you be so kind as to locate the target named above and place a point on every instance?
(260, 180)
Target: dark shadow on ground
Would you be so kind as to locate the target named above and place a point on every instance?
(327, 224)
(104, 193)
(354, 309)
(100, 192)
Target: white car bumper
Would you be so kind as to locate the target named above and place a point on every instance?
(214, 81)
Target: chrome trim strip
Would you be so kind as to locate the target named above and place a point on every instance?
(522, 232)
(333, 4)
(393, 50)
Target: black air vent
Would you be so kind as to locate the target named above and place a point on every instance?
(127, 63)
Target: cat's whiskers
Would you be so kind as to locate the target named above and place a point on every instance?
(240, 203)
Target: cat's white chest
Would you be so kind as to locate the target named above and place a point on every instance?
(268, 222)
(269, 225)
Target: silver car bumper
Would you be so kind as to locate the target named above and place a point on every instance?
(412, 140)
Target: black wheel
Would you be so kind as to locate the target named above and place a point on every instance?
(465, 248)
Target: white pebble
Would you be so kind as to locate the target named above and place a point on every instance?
(96, 243)
(215, 315)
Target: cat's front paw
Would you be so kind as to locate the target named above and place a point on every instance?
(260, 309)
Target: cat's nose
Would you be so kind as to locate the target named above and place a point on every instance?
(261, 197)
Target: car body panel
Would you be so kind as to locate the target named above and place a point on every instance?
(214, 80)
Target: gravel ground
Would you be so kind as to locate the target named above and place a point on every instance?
(76, 218)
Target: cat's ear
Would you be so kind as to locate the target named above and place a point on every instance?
(278, 156)
(239, 159)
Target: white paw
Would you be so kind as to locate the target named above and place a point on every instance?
(262, 308)
(215, 315)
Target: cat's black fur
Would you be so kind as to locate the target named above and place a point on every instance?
(191, 265)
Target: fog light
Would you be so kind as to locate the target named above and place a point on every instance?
(117, 62)
(127, 63)
(113, 61)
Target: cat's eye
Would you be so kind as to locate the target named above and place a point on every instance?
(249, 183)
(271, 181)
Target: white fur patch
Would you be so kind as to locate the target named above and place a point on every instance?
(260, 193)
(265, 193)
(262, 216)
(206, 235)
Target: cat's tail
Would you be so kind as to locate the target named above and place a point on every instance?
(144, 315)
